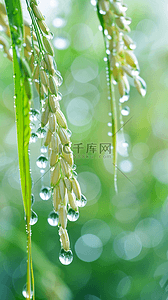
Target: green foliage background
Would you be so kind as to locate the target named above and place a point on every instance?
(101, 277)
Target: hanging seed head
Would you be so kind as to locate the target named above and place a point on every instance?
(76, 188)
(45, 115)
(64, 136)
(68, 183)
(43, 26)
(48, 59)
(44, 78)
(62, 190)
(55, 175)
(64, 238)
(53, 85)
(52, 122)
(56, 143)
(53, 158)
(48, 46)
(65, 167)
(61, 118)
(48, 138)
(72, 200)
(68, 156)
(36, 11)
(62, 216)
(56, 198)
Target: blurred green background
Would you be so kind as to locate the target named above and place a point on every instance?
(120, 242)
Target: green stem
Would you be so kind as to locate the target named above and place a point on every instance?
(112, 103)
(15, 18)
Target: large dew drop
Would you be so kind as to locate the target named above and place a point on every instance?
(58, 77)
(82, 202)
(72, 215)
(53, 218)
(43, 149)
(65, 257)
(34, 114)
(41, 162)
(125, 111)
(59, 96)
(32, 199)
(45, 193)
(34, 218)
(33, 138)
(41, 132)
(25, 293)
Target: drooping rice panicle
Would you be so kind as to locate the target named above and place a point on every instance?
(121, 63)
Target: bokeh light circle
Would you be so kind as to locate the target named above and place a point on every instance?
(84, 69)
(127, 245)
(88, 247)
(150, 232)
(90, 186)
(79, 111)
(98, 228)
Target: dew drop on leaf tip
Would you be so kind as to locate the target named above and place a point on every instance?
(65, 257)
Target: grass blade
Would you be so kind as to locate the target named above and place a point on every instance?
(22, 97)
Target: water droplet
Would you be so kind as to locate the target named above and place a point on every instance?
(72, 215)
(41, 132)
(125, 111)
(100, 28)
(109, 124)
(65, 257)
(128, 20)
(61, 43)
(108, 52)
(110, 114)
(33, 138)
(82, 202)
(75, 174)
(53, 218)
(132, 46)
(58, 77)
(124, 7)
(41, 162)
(59, 22)
(15, 11)
(105, 32)
(45, 193)
(124, 98)
(32, 199)
(34, 218)
(102, 12)
(105, 58)
(109, 133)
(59, 96)
(25, 293)
(69, 132)
(135, 72)
(43, 149)
(125, 144)
(143, 86)
(34, 114)
(93, 2)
